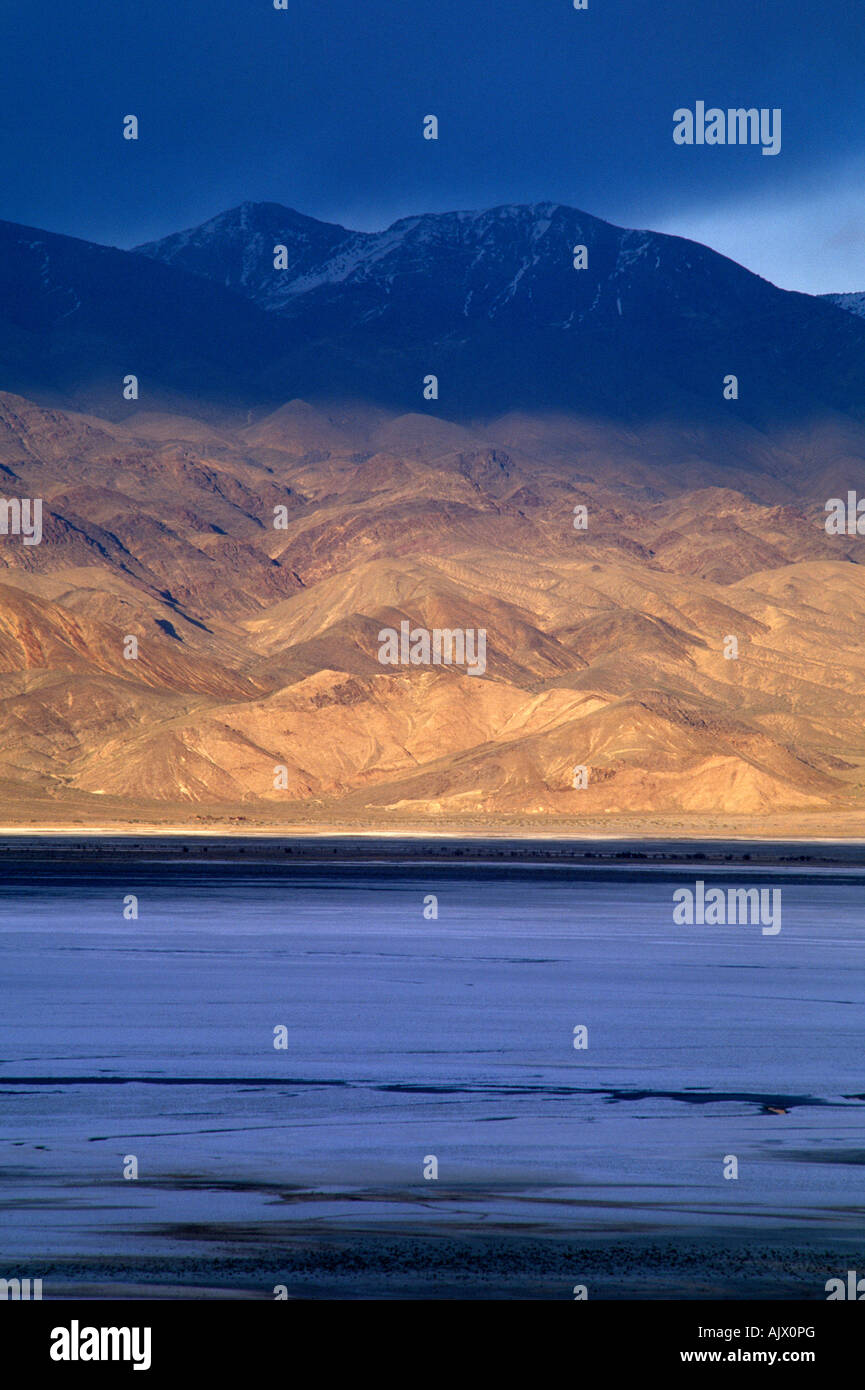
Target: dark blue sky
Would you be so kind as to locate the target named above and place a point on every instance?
(320, 107)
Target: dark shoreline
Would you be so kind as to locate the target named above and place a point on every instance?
(790, 1265)
(417, 850)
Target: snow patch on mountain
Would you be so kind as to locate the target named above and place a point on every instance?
(854, 302)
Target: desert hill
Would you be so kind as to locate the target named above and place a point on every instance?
(258, 645)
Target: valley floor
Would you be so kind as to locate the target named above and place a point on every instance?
(814, 829)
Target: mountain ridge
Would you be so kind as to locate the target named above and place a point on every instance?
(488, 302)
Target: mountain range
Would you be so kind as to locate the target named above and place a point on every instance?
(490, 303)
(299, 392)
